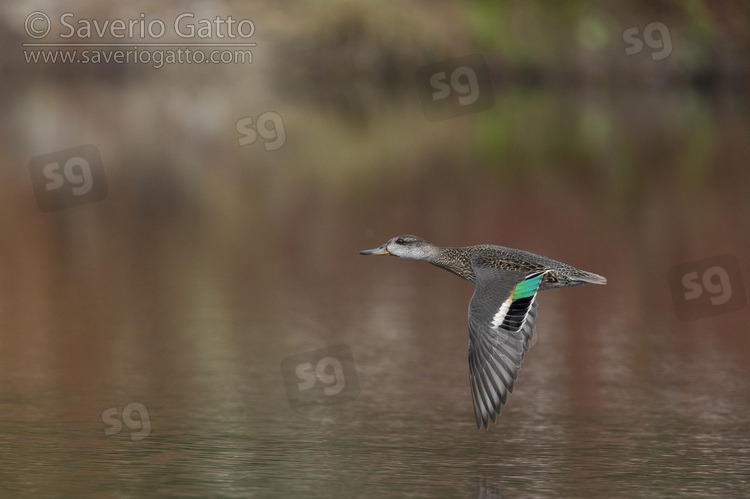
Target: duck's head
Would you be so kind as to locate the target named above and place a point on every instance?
(406, 246)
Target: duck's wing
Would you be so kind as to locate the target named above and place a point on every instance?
(502, 314)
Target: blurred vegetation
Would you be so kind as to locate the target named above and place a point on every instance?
(570, 107)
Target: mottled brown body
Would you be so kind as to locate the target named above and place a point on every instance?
(463, 260)
(459, 261)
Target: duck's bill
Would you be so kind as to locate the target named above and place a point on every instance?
(375, 251)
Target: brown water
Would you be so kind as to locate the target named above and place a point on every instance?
(210, 268)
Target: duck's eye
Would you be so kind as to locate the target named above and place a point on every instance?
(400, 240)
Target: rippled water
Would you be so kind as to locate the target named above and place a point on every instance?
(617, 398)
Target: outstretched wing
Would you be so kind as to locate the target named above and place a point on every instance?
(502, 314)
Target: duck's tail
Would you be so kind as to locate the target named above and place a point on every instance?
(582, 277)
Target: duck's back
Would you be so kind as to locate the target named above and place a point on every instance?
(461, 261)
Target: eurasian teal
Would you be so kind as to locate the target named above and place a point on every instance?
(502, 311)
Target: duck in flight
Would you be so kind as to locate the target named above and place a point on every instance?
(502, 311)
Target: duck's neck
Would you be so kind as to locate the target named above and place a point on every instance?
(455, 260)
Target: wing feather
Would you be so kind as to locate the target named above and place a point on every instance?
(502, 315)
